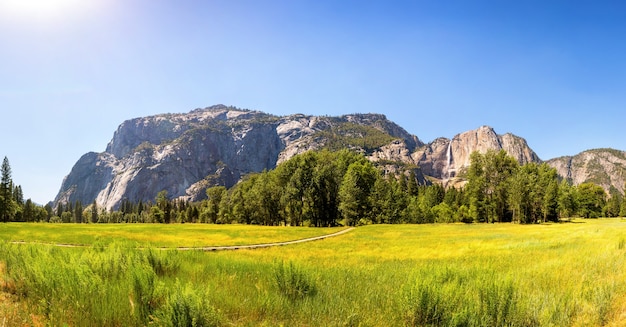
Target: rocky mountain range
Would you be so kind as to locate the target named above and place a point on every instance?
(605, 167)
(184, 154)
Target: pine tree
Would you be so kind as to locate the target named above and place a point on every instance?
(78, 212)
(7, 206)
(60, 209)
(94, 212)
(29, 211)
(412, 186)
(18, 195)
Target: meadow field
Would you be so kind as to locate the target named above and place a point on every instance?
(566, 274)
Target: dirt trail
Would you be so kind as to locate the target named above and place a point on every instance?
(220, 248)
(265, 245)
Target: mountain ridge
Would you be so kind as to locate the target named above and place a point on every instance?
(184, 153)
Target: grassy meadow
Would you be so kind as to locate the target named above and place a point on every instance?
(155, 235)
(569, 274)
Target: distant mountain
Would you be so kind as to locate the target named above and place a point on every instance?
(188, 152)
(605, 167)
(445, 159)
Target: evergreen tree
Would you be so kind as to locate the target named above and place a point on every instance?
(167, 212)
(69, 207)
(29, 211)
(412, 186)
(381, 199)
(78, 212)
(60, 209)
(18, 195)
(48, 212)
(402, 183)
(94, 212)
(7, 203)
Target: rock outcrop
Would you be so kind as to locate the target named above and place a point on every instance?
(604, 167)
(183, 154)
(445, 159)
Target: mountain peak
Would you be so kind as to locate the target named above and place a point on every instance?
(187, 152)
(444, 159)
(217, 145)
(486, 128)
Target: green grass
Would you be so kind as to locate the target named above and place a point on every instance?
(569, 274)
(157, 235)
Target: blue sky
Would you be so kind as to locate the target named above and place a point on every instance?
(553, 72)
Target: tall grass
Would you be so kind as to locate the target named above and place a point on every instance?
(114, 285)
(293, 282)
(450, 297)
(428, 275)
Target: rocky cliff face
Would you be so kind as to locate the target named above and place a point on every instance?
(605, 167)
(445, 159)
(185, 153)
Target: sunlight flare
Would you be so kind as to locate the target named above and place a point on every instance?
(43, 10)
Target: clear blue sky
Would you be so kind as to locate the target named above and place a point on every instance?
(553, 72)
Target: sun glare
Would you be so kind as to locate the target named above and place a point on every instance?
(42, 10)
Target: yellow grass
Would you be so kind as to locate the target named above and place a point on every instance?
(158, 235)
(568, 274)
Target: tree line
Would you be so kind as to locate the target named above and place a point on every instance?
(325, 188)
(343, 188)
(12, 204)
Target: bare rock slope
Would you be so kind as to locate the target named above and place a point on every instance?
(444, 158)
(185, 153)
(605, 167)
